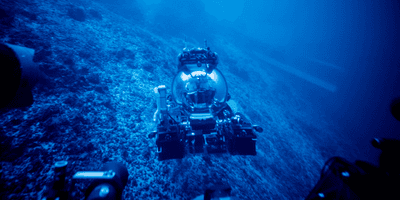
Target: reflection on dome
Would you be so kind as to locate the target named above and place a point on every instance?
(198, 88)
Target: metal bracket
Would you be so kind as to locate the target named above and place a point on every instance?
(94, 175)
(159, 151)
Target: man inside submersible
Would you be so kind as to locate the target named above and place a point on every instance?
(195, 117)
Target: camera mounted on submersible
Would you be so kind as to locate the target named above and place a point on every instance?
(18, 75)
(107, 184)
(341, 179)
(195, 117)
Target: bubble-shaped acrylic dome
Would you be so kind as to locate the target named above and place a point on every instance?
(198, 87)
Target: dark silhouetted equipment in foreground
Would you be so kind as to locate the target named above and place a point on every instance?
(195, 117)
(18, 75)
(108, 183)
(395, 108)
(341, 179)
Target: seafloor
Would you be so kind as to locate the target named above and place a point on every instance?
(97, 105)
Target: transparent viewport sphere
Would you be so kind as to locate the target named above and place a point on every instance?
(198, 87)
